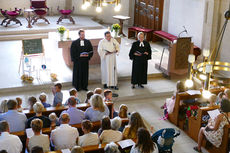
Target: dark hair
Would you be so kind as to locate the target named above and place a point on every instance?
(58, 85)
(37, 149)
(4, 126)
(225, 105)
(72, 101)
(32, 100)
(86, 124)
(135, 122)
(80, 31)
(88, 96)
(72, 92)
(105, 123)
(11, 104)
(107, 92)
(3, 151)
(107, 32)
(144, 142)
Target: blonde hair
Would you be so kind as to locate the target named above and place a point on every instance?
(36, 125)
(98, 91)
(97, 102)
(123, 111)
(77, 149)
(140, 33)
(53, 117)
(42, 97)
(3, 106)
(38, 107)
(227, 93)
(213, 98)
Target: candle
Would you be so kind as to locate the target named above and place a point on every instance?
(206, 52)
(67, 33)
(208, 68)
(191, 58)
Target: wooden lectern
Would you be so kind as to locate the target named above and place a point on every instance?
(177, 64)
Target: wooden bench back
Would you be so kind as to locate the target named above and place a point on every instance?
(174, 116)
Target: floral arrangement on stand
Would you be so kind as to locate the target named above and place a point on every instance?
(116, 27)
(61, 31)
(26, 78)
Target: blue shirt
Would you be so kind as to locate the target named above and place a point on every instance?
(95, 115)
(76, 116)
(15, 119)
(57, 98)
(46, 105)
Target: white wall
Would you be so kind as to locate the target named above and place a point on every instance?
(188, 13)
(105, 15)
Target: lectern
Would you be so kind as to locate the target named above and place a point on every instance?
(177, 63)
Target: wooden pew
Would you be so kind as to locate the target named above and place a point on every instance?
(194, 124)
(58, 110)
(96, 126)
(174, 116)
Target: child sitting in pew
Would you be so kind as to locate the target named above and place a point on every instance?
(19, 101)
(73, 92)
(88, 96)
(97, 91)
(108, 95)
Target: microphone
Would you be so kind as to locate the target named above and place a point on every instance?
(185, 30)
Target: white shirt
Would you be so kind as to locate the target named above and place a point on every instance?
(88, 139)
(64, 137)
(39, 140)
(108, 136)
(10, 143)
(136, 149)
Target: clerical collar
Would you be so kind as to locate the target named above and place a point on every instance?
(82, 43)
(141, 44)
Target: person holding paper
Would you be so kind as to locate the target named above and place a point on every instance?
(108, 48)
(81, 52)
(140, 53)
(214, 131)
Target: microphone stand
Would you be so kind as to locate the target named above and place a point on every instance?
(114, 94)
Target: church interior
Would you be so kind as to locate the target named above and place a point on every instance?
(183, 105)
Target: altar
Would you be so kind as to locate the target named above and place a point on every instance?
(93, 35)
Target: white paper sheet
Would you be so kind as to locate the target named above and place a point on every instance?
(126, 143)
(29, 133)
(65, 151)
(193, 92)
(214, 113)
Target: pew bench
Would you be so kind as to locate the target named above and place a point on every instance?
(174, 116)
(195, 123)
(96, 127)
(133, 31)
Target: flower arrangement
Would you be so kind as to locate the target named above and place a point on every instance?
(27, 78)
(61, 30)
(116, 27)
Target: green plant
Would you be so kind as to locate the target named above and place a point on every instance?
(61, 30)
(116, 27)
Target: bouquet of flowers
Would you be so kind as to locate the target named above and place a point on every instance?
(116, 27)
(61, 30)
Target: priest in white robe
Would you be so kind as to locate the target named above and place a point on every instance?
(108, 49)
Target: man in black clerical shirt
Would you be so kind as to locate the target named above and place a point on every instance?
(81, 52)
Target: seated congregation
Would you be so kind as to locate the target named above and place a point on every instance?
(74, 129)
(191, 113)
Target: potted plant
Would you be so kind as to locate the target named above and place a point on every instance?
(116, 27)
(61, 31)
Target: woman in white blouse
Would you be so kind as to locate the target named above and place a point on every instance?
(112, 135)
(38, 139)
(89, 138)
(144, 143)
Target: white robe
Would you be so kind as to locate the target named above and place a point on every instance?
(108, 62)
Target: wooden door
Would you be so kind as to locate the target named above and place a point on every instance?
(148, 14)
